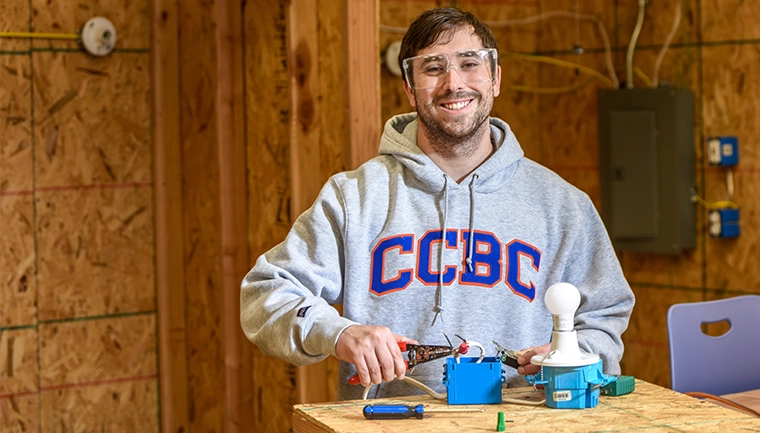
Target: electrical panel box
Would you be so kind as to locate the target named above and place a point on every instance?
(646, 168)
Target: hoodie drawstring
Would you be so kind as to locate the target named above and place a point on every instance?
(438, 309)
(472, 223)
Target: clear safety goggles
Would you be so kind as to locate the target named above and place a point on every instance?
(430, 70)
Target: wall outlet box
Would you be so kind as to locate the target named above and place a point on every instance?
(723, 223)
(471, 382)
(646, 168)
(723, 151)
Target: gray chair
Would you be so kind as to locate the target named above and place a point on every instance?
(725, 364)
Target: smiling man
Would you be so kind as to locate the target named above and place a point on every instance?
(450, 228)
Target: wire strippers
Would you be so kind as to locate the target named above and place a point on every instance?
(417, 354)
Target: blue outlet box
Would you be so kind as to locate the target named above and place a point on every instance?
(571, 387)
(724, 223)
(472, 382)
(723, 151)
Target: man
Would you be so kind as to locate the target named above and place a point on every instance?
(449, 229)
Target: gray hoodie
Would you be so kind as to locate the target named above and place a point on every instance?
(372, 240)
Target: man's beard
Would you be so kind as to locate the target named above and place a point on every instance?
(460, 138)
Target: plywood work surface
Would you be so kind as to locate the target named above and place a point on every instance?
(650, 408)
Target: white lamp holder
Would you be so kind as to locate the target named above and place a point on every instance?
(98, 36)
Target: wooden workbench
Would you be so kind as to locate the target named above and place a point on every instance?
(650, 408)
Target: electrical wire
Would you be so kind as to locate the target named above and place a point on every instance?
(524, 402)
(724, 401)
(390, 29)
(664, 49)
(565, 14)
(632, 45)
(714, 205)
(71, 36)
(563, 63)
(548, 90)
(639, 73)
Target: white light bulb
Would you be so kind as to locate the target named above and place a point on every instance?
(562, 300)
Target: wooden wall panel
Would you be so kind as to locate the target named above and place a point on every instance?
(99, 372)
(76, 225)
(79, 101)
(727, 20)
(20, 372)
(95, 252)
(18, 286)
(20, 413)
(15, 16)
(15, 130)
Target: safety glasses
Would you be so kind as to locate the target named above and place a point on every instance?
(430, 70)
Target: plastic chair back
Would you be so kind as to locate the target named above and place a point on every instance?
(719, 365)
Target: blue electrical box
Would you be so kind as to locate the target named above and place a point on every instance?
(571, 387)
(724, 223)
(723, 151)
(471, 382)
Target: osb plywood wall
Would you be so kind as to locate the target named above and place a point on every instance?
(714, 52)
(77, 290)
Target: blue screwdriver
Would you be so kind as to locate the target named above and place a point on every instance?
(402, 411)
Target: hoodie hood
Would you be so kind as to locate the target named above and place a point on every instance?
(399, 140)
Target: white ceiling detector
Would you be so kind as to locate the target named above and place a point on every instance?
(391, 58)
(98, 36)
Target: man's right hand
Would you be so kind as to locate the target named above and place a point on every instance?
(374, 352)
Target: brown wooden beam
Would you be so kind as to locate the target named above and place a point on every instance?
(170, 279)
(362, 80)
(230, 102)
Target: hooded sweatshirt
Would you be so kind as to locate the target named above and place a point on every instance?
(372, 241)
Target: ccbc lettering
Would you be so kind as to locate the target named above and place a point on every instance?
(492, 262)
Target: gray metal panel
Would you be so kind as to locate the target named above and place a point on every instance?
(673, 167)
(633, 166)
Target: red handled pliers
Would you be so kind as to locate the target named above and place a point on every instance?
(419, 354)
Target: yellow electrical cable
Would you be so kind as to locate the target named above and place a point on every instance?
(547, 90)
(715, 205)
(639, 73)
(562, 63)
(71, 36)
